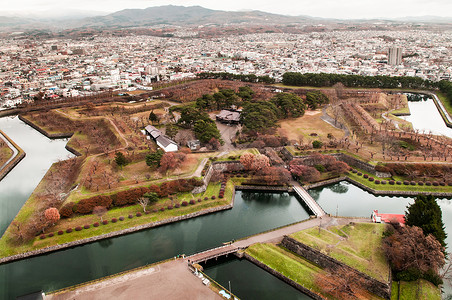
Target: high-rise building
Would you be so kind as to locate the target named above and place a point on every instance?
(395, 56)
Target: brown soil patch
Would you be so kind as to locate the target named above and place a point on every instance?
(309, 123)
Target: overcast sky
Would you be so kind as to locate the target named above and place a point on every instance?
(316, 8)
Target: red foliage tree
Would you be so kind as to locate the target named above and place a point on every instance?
(276, 175)
(247, 160)
(52, 215)
(306, 173)
(171, 160)
(408, 248)
(214, 144)
(337, 167)
(260, 163)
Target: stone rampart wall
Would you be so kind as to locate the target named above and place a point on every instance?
(381, 289)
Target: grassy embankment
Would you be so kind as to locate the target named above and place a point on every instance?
(357, 245)
(5, 153)
(360, 250)
(8, 247)
(421, 289)
(396, 187)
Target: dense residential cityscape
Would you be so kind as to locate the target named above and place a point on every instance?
(71, 68)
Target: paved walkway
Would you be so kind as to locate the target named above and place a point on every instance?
(274, 236)
(171, 280)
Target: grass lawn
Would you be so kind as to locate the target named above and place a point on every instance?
(5, 154)
(361, 250)
(396, 187)
(288, 264)
(445, 102)
(409, 290)
(307, 124)
(297, 269)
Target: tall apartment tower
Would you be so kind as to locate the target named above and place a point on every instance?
(395, 56)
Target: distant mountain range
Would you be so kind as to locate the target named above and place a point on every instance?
(172, 15)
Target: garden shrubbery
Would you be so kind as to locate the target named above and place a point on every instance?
(129, 197)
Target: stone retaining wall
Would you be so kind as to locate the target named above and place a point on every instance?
(49, 135)
(16, 160)
(263, 188)
(287, 280)
(72, 150)
(12, 164)
(350, 160)
(381, 289)
(114, 234)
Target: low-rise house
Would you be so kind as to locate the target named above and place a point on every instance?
(162, 141)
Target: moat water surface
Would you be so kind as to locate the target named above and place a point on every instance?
(252, 213)
(425, 117)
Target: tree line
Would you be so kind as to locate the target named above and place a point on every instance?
(239, 77)
(361, 81)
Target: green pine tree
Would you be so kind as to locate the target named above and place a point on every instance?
(426, 214)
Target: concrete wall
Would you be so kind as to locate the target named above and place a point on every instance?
(381, 289)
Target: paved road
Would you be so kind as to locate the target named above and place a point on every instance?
(171, 280)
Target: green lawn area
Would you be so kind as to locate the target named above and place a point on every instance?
(361, 250)
(409, 290)
(396, 187)
(7, 248)
(296, 268)
(445, 102)
(288, 264)
(5, 154)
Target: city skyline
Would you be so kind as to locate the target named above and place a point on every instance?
(351, 9)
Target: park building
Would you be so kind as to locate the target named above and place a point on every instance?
(228, 116)
(162, 141)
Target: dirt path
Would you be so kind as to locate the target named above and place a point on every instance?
(170, 280)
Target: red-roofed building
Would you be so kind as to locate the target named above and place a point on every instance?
(387, 218)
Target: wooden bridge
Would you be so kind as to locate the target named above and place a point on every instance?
(310, 202)
(213, 253)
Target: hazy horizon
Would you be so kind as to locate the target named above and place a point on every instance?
(350, 9)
